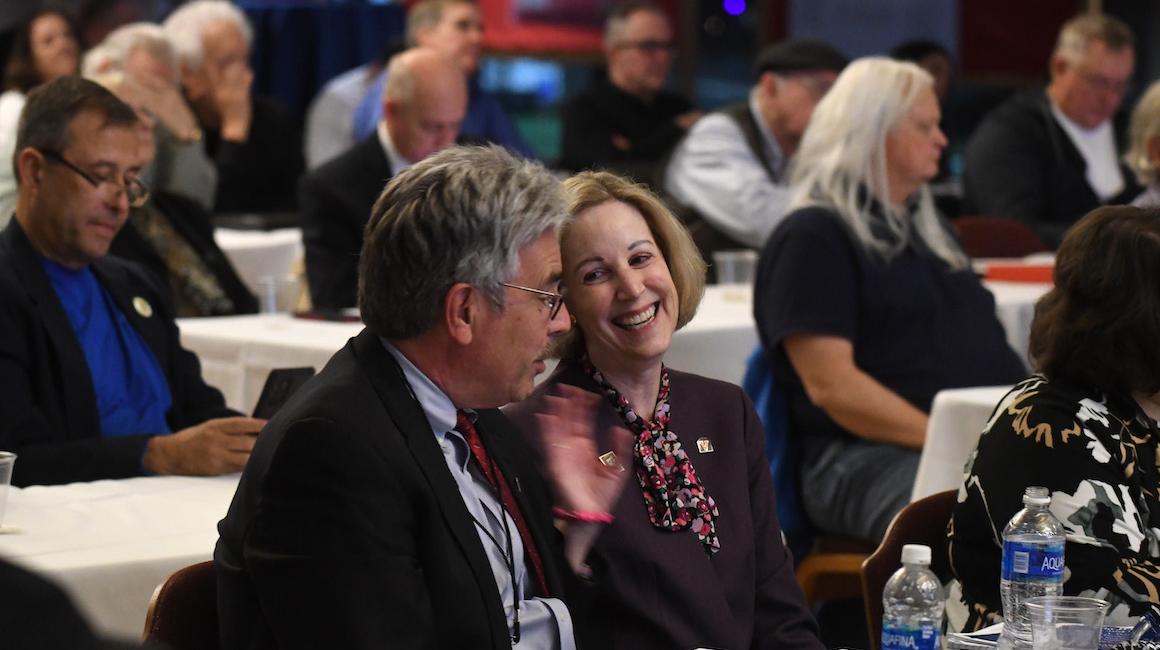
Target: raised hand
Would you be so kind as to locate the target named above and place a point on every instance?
(580, 479)
(231, 95)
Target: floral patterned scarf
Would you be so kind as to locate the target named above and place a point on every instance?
(673, 495)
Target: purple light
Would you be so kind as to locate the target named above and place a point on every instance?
(734, 7)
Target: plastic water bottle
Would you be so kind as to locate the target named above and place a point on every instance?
(1033, 544)
(912, 604)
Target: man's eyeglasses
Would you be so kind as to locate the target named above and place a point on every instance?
(132, 186)
(1102, 84)
(650, 46)
(552, 300)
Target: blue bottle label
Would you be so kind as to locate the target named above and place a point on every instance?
(923, 637)
(1023, 561)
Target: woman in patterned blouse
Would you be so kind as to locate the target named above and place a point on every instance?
(1085, 427)
(691, 554)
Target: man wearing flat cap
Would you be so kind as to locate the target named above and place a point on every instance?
(730, 170)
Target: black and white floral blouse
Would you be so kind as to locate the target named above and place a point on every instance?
(1097, 456)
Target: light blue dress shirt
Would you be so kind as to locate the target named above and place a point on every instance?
(544, 622)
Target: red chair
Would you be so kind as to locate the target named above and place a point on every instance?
(997, 237)
(922, 522)
(183, 610)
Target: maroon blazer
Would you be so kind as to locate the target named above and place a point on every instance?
(660, 590)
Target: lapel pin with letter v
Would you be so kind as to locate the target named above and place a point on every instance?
(704, 445)
(142, 306)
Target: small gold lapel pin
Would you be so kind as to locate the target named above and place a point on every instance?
(608, 459)
(704, 445)
(143, 307)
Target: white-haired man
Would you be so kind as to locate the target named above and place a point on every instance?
(251, 139)
(171, 234)
(1050, 156)
(424, 102)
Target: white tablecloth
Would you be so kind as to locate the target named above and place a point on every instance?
(957, 418)
(257, 253)
(237, 352)
(110, 543)
(1015, 307)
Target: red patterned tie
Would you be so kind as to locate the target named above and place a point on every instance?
(494, 476)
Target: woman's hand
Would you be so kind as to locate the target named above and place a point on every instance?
(585, 479)
(581, 480)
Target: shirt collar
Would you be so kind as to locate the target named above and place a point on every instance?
(398, 162)
(437, 406)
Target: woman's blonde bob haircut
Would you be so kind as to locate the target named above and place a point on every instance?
(589, 189)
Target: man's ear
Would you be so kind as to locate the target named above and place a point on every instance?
(1058, 65)
(29, 167)
(461, 311)
(768, 82)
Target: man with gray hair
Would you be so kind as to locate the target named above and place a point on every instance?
(423, 105)
(252, 139)
(1050, 156)
(389, 504)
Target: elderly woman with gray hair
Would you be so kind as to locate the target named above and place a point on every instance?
(1143, 155)
(865, 304)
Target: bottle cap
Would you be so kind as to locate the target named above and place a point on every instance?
(916, 554)
(1035, 495)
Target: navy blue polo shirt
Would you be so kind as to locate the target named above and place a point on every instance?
(917, 325)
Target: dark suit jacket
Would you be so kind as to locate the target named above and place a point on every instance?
(1021, 164)
(592, 118)
(659, 590)
(348, 530)
(256, 175)
(336, 201)
(36, 614)
(192, 223)
(48, 414)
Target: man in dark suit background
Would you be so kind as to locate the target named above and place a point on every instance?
(1048, 156)
(424, 102)
(94, 375)
(388, 504)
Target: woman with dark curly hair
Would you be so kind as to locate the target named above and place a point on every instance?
(45, 48)
(1085, 427)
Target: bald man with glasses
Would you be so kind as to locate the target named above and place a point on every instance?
(96, 382)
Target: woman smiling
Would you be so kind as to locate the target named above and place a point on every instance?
(691, 554)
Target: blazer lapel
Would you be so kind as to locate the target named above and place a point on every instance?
(78, 396)
(407, 415)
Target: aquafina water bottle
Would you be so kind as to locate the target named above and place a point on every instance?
(912, 604)
(1032, 563)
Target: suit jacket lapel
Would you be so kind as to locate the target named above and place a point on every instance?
(387, 379)
(79, 397)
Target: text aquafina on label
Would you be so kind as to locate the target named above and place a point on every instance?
(1032, 563)
(912, 604)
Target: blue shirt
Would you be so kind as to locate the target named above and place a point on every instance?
(544, 622)
(485, 118)
(131, 390)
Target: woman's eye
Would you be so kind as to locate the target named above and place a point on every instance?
(592, 276)
(639, 259)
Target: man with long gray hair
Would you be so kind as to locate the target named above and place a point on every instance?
(389, 504)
